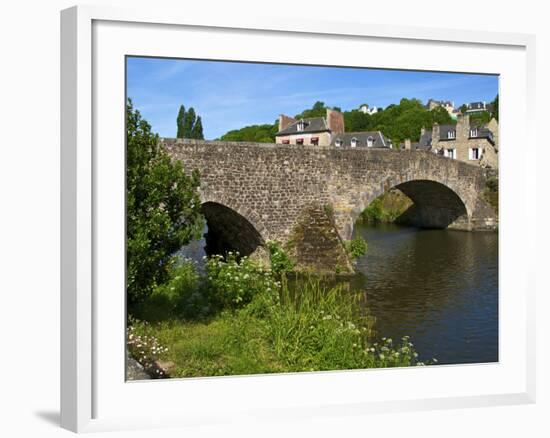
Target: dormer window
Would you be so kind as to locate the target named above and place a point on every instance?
(300, 126)
(353, 142)
(473, 132)
(451, 134)
(338, 143)
(370, 142)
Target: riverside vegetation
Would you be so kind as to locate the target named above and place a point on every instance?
(239, 316)
(242, 318)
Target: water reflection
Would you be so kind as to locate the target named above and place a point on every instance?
(438, 286)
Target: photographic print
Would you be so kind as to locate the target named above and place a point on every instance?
(296, 218)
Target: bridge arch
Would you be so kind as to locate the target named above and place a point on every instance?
(435, 204)
(229, 230)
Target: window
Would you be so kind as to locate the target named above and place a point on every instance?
(370, 142)
(451, 134)
(353, 142)
(473, 132)
(338, 143)
(450, 153)
(299, 141)
(315, 141)
(300, 126)
(286, 141)
(475, 153)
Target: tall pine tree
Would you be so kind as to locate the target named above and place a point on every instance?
(188, 123)
(196, 132)
(180, 122)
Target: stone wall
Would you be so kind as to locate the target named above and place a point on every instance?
(272, 185)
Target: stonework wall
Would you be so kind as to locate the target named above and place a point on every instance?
(271, 185)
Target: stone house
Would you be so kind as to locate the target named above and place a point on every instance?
(464, 142)
(326, 131)
(316, 131)
(475, 107)
(366, 110)
(446, 104)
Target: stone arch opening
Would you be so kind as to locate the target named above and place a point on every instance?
(435, 205)
(229, 231)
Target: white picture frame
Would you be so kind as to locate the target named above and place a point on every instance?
(90, 381)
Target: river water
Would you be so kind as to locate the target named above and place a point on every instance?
(440, 287)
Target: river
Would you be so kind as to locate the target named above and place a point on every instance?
(440, 287)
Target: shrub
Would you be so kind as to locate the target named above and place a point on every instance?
(234, 282)
(183, 296)
(280, 262)
(357, 247)
(163, 208)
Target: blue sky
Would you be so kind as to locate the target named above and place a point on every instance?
(231, 95)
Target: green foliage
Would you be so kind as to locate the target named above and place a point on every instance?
(254, 133)
(319, 109)
(405, 120)
(480, 118)
(397, 122)
(280, 261)
(188, 124)
(356, 247)
(386, 208)
(162, 206)
(314, 327)
(357, 121)
(234, 282)
(196, 132)
(184, 296)
(179, 122)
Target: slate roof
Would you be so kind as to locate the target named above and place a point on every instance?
(315, 124)
(379, 141)
(444, 132)
(425, 141)
(476, 106)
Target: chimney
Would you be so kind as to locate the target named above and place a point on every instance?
(408, 143)
(435, 131)
(335, 121)
(285, 121)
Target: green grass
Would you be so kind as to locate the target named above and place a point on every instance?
(310, 327)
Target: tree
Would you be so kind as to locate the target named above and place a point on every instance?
(196, 131)
(189, 122)
(163, 208)
(255, 133)
(180, 122)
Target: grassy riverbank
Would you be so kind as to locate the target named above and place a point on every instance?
(241, 318)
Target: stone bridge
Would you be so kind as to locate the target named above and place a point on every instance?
(308, 197)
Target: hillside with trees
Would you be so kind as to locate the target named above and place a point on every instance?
(397, 121)
(255, 133)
